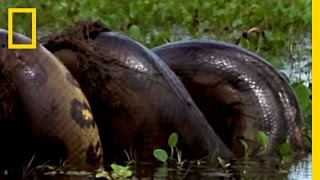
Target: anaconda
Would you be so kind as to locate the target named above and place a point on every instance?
(136, 99)
(43, 111)
(239, 93)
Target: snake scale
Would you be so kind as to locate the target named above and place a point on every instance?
(53, 104)
(87, 95)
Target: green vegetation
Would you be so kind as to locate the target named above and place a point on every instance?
(157, 22)
(121, 171)
(162, 155)
(262, 139)
(285, 155)
(303, 93)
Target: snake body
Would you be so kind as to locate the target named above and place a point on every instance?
(52, 106)
(239, 93)
(87, 95)
(144, 100)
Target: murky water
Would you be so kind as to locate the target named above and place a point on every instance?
(246, 170)
(299, 67)
(301, 171)
(249, 169)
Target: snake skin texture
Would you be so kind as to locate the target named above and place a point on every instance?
(143, 98)
(238, 92)
(87, 97)
(53, 106)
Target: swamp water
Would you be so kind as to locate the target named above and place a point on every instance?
(238, 170)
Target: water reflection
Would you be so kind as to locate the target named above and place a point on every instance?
(302, 171)
(252, 169)
(299, 63)
(246, 170)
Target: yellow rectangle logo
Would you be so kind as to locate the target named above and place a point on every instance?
(33, 44)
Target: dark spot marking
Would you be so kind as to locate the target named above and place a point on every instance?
(81, 113)
(72, 80)
(3, 46)
(94, 154)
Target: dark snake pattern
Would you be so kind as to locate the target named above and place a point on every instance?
(97, 107)
(53, 105)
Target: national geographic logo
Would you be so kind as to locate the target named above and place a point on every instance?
(33, 44)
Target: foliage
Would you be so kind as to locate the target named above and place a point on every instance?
(119, 172)
(157, 22)
(162, 155)
(262, 139)
(303, 94)
(285, 149)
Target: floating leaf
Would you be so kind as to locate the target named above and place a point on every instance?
(161, 155)
(262, 138)
(126, 173)
(285, 149)
(121, 170)
(173, 140)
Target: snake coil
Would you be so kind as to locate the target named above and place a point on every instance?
(88, 94)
